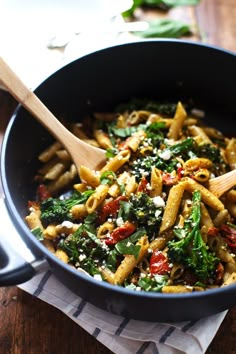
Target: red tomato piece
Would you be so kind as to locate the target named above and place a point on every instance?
(168, 179)
(229, 234)
(143, 185)
(159, 263)
(219, 272)
(213, 231)
(111, 208)
(180, 172)
(120, 233)
(42, 192)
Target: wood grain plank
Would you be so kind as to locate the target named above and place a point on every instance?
(217, 22)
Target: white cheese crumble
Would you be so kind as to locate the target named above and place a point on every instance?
(97, 277)
(82, 257)
(158, 202)
(67, 224)
(157, 213)
(165, 155)
(119, 221)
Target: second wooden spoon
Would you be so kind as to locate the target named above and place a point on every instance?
(222, 184)
(81, 152)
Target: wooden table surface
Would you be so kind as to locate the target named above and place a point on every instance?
(30, 326)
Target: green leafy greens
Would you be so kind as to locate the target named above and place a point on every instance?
(161, 4)
(56, 210)
(190, 249)
(165, 28)
(84, 248)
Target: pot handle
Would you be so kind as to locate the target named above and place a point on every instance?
(17, 263)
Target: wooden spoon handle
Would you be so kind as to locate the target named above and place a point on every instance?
(81, 152)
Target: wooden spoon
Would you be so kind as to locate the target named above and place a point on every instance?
(222, 184)
(81, 152)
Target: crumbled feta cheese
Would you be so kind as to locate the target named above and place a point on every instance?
(169, 141)
(82, 257)
(158, 202)
(157, 213)
(189, 287)
(165, 155)
(67, 224)
(119, 221)
(97, 277)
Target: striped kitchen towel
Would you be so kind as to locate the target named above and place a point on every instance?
(122, 335)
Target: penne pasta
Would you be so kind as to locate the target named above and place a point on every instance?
(88, 176)
(176, 126)
(96, 198)
(129, 262)
(172, 206)
(116, 162)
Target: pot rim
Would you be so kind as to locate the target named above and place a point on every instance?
(26, 234)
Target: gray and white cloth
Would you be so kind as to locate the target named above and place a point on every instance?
(122, 335)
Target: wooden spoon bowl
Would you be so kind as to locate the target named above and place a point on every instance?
(222, 184)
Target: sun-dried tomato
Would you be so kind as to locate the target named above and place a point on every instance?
(120, 233)
(159, 263)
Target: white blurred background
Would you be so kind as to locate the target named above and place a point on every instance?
(30, 28)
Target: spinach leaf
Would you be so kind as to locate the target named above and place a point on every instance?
(38, 233)
(128, 246)
(165, 28)
(161, 4)
(172, 3)
(107, 177)
(153, 284)
(84, 248)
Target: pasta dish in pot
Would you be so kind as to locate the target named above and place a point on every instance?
(146, 220)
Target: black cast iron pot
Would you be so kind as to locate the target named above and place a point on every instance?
(157, 69)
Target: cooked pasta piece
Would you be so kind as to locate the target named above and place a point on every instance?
(175, 129)
(169, 289)
(33, 220)
(200, 134)
(156, 182)
(48, 153)
(96, 198)
(56, 171)
(116, 162)
(209, 198)
(172, 206)
(89, 176)
(102, 139)
(62, 255)
(64, 180)
(230, 152)
(198, 163)
(104, 229)
(129, 262)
